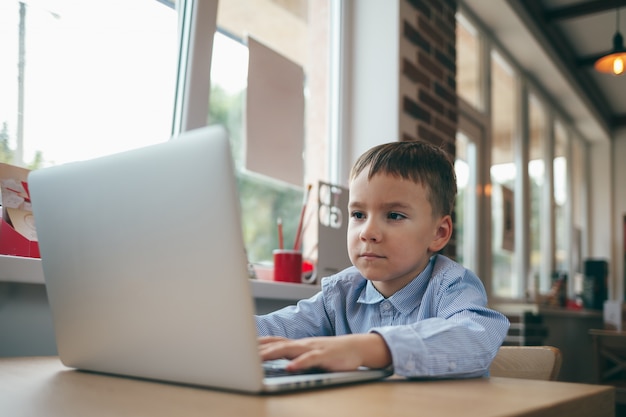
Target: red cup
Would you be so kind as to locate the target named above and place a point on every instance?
(288, 265)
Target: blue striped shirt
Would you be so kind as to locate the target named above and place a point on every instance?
(437, 326)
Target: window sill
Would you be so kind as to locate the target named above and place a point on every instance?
(282, 291)
(28, 271)
(20, 269)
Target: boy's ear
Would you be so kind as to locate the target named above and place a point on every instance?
(442, 234)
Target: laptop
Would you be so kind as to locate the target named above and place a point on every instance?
(146, 270)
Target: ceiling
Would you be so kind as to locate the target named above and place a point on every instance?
(555, 42)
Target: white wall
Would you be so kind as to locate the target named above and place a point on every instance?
(372, 71)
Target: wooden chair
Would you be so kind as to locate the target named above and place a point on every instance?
(527, 362)
(609, 351)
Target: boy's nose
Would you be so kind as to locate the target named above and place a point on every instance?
(370, 232)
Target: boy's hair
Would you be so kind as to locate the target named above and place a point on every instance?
(420, 162)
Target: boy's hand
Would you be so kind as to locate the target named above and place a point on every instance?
(333, 353)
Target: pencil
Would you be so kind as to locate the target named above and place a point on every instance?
(296, 243)
(281, 244)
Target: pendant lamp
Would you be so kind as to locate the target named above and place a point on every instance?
(615, 61)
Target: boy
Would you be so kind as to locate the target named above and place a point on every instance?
(401, 303)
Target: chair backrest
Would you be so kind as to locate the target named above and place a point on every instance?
(527, 362)
(609, 348)
(609, 352)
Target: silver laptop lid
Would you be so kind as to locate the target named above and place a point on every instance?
(145, 265)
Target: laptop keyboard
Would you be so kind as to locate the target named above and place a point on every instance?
(278, 368)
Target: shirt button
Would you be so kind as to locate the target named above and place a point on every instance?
(452, 366)
(386, 305)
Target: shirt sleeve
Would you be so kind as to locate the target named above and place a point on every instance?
(307, 318)
(460, 337)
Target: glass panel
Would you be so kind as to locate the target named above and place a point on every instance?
(578, 201)
(90, 80)
(560, 198)
(539, 281)
(299, 30)
(464, 227)
(503, 173)
(461, 167)
(578, 214)
(468, 62)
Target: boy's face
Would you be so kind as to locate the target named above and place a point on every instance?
(392, 231)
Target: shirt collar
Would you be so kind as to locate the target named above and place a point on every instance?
(405, 300)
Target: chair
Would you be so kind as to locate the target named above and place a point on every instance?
(527, 362)
(609, 351)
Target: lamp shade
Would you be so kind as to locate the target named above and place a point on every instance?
(615, 61)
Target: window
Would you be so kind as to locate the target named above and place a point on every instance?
(94, 82)
(264, 199)
(90, 80)
(561, 199)
(471, 164)
(469, 71)
(539, 276)
(578, 203)
(506, 283)
(464, 225)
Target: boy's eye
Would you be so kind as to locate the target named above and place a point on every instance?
(357, 215)
(396, 216)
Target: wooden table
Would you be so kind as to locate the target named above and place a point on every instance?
(42, 386)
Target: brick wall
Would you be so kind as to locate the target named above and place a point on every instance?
(428, 65)
(428, 76)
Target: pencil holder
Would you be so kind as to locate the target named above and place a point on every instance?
(288, 265)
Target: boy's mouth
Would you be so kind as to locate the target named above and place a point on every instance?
(370, 255)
